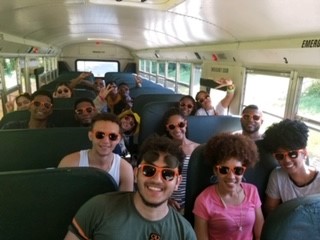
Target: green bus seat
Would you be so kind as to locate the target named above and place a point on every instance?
(151, 118)
(40, 204)
(25, 149)
(202, 128)
(59, 117)
(140, 101)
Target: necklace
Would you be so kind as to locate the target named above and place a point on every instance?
(239, 224)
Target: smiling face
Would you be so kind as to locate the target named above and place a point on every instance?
(84, 113)
(154, 191)
(63, 91)
(204, 99)
(101, 136)
(229, 180)
(176, 127)
(291, 161)
(186, 106)
(251, 120)
(23, 103)
(41, 108)
(127, 123)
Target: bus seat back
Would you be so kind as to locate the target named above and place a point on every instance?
(202, 128)
(151, 118)
(24, 149)
(297, 219)
(148, 87)
(259, 174)
(199, 177)
(140, 101)
(59, 117)
(40, 204)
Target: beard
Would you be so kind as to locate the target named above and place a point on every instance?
(149, 204)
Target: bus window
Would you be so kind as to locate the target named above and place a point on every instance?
(10, 74)
(172, 69)
(268, 92)
(184, 79)
(309, 111)
(309, 102)
(97, 67)
(162, 69)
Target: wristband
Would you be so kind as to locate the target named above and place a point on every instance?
(230, 89)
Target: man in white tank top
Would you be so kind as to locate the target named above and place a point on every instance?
(105, 134)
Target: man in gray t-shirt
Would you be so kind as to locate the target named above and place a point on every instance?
(143, 214)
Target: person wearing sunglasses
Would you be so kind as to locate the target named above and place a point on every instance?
(251, 121)
(41, 107)
(287, 141)
(145, 213)
(84, 110)
(126, 101)
(130, 123)
(204, 100)
(63, 90)
(176, 127)
(187, 105)
(230, 208)
(105, 134)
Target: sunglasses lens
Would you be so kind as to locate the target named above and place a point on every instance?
(37, 104)
(100, 135)
(279, 156)
(66, 90)
(293, 154)
(148, 171)
(223, 170)
(79, 111)
(256, 117)
(238, 171)
(246, 117)
(181, 125)
(168, 174)
(89, 110)
(59, 91)
(171, 127)
(113, 136)
(47, 105)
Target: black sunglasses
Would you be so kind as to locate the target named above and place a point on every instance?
(65, 90)
(80, 111)
(101, 135)
(180, 125)
(186, 105)
(167, 174)
(291, 154)
(236, 170)
(201, 100)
